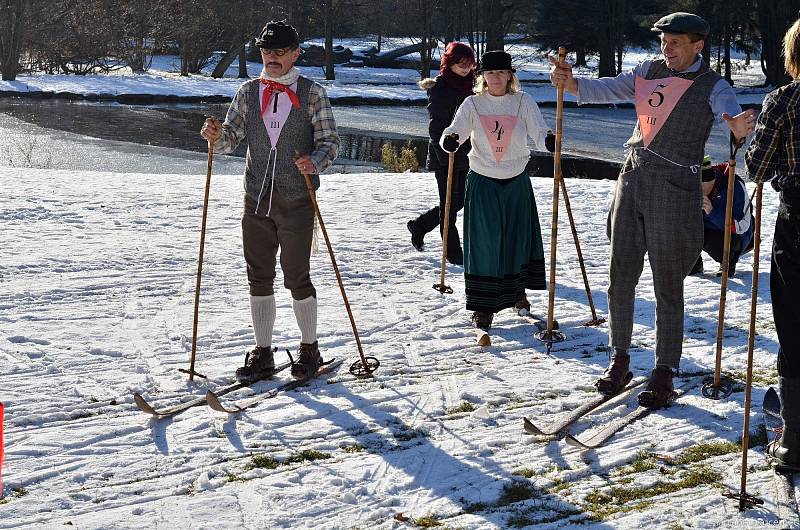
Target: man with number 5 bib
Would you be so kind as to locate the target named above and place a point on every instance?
(657, 204)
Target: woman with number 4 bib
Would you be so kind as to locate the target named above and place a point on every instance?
(503, 252)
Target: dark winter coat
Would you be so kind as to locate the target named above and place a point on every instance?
(443, 101)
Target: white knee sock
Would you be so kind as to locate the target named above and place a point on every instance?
(262, 309)
(305, 311)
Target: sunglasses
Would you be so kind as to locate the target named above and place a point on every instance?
(279, 52)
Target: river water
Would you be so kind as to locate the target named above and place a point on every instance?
(588, 132)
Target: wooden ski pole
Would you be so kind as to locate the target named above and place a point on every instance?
(191, 371)
(550, 335)
(745, 499)
(441, 287)
(719, 389)
(594, 321)
(367, 365)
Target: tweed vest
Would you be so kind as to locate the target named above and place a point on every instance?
(297, 135)
(682, 139)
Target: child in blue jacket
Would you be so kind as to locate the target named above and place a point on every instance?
(715, 192)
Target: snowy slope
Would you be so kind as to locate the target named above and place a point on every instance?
(96, 300)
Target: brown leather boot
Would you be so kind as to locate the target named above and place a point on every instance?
(616, 376)
(659, 392)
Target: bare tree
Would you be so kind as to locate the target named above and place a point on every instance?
(196, 28)
(12, 27)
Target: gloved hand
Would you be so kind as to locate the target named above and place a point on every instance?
(550, 141)
(450, 143)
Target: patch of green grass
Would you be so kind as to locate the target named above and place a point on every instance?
(16, 493)
(465, 406)
(558, 485)
(760, 377)
(354, 448)
(525, 472)
(307, 455)
(516, 491)
(705, 450)
(600, 512)
(262, 462)
(232, 477)
(405, 434)
(643, 461)
(475, 506)
(429, 521)
(618, 496)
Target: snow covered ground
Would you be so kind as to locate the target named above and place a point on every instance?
(97, 278)
(383, 83)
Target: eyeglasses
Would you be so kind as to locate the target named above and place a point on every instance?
(280, 52)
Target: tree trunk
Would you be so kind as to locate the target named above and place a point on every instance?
(330, 74)
(774, 18)
(227, 60)
(184, 63)
(727, 53)
(425, 52)
(11, 28)
(580, 56)
(493, 24)
(243, 63)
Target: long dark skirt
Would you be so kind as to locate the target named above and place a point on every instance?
(503, 252)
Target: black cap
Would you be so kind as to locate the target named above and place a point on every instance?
(278, 35)
(495, 60)
(681, 22)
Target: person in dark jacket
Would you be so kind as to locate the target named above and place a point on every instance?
(774, 155)
(445, 94)
(715, 196)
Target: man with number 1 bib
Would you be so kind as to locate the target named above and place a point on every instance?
(279, 114)
(657, 204)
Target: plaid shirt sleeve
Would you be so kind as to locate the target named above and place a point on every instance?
(233, 130)
(326, 139)
(760, 158)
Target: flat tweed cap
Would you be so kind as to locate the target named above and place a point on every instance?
(681, 22)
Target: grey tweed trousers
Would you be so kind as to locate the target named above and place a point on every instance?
(657, 210)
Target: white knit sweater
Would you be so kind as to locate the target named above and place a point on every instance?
(499, 127)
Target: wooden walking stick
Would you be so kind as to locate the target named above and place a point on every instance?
(441, 287)
(595, 321)
(719, 388)
(550, 335)
(191, 371)
(367, 365)
(745, 499)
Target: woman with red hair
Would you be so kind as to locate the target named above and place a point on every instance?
(445, 94)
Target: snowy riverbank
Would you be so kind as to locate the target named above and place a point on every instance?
(368, 86)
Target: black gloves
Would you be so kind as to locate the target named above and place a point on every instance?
(550, 141)
(450, 143)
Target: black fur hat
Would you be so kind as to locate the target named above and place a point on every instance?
(278, 34)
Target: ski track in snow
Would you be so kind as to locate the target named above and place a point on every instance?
(96, 302)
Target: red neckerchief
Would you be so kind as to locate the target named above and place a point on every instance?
(272, 86)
